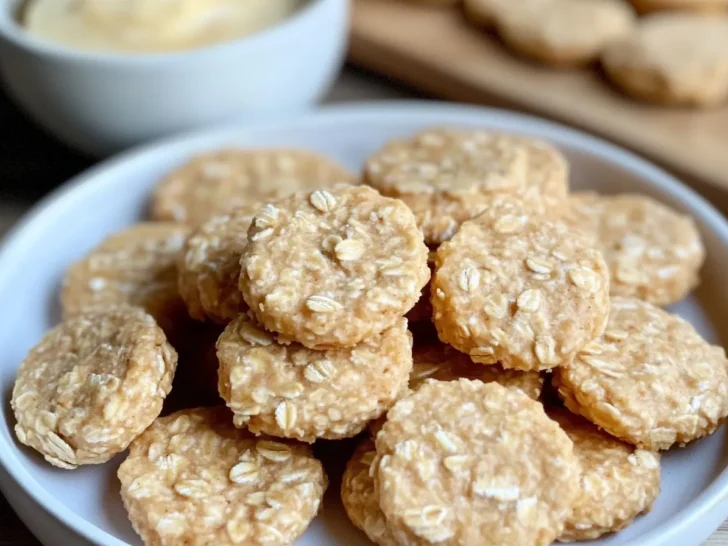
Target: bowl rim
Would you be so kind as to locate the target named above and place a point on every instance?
(13, 244)
(284, 31)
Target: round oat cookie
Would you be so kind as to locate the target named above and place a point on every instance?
(646, 6)
(220, 181)
(653, 252)
(136, 266)
(422, 310)
(448, 176)
(678, 59)
(564, 32)
(467, 463)
(618, 481)
(91, 385)
(360, 498)
(193, 478)
(331, 268)
(519, 289)
(650, 380)
(443, 363)
(278, 387)
(209, 266)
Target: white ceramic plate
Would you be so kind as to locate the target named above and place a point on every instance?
(74, 507)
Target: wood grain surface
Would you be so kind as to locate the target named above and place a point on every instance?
(435, 49)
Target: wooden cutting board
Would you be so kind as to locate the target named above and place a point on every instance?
(436, 50)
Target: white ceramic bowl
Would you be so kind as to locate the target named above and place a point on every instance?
(101, 103)
(74, 507)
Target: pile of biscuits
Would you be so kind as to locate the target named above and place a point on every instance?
(676, 55)
(278, 294)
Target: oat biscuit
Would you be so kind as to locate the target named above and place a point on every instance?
(91, 385)
(676, 59)
(646, 6)
(467, 463)
(519, 289)
(650, 380)
(136, 266)
(219, 181)
(443, 363)
(331, 268)
(448, 176)
(653, 252)
(192, 478)
(565, 32)
(360, 498)
(209, 266)
(618, 481)
(280, 388)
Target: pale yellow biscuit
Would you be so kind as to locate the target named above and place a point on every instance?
(448, 176)
(91, 385)
(564, 32)
(646, 6)
(654, 253)
(676, 59)
(219, 181)
(281, 388)
(519, 289)
(331, 268)
(136, 266)
(618, 481)
(650, 380)
(360, 498)
(485, 13)
(192, 478)
(466, 463)
(209, 266)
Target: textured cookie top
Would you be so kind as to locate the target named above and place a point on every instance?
(680, 57)
(136, 266)
(443, 363)
(220, 181)
(209, 266)
(281, 388)
(91, 385)
(468, 463)
(192, 478)
(448, 176)
(618, 481)
(565, 31)
(653, 252)
(519, 289)
(650, 380)
(330, 268)
(360, 497)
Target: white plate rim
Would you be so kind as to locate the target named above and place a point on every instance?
(363, 111)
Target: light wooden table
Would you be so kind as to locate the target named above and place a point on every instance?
(352, 86)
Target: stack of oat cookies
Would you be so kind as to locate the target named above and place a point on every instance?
(283, 282)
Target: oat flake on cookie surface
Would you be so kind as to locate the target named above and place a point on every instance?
(194, 479)
(209, 266)
(136, 266)
(91, 385)
(653, 252)
(278, 387)
(618, 480)
(467, 463)
(330, 268)
(448, 176)
(650, 379)
(520, 289)
(219, 181)
(360, 498)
